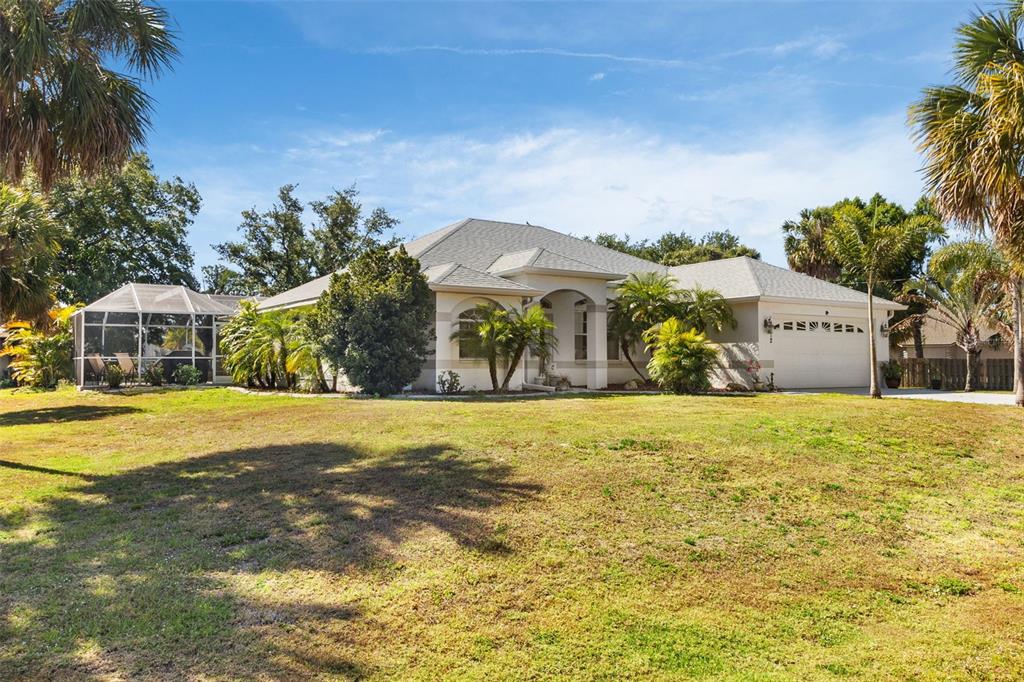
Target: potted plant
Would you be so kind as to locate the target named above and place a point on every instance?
(892, 372)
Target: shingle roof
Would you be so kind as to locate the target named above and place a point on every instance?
(163, 298)
(478, 243)
(744, 277)
(456, 275)
(541, 259)
(304, 294)
(472, 253)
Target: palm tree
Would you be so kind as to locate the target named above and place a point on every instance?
(867, 248)
(28, 246)
(485, 331)
(257, 347)
(529, 329)
(972, 135)
(642, 301)
(61, 106)
(806, 249)
(682, 358)
(955, 294)
(705, 310)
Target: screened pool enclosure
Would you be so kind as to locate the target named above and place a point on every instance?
(142, 324)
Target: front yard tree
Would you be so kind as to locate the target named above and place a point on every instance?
(682, 358)
(530, 329)
(485, 334)
(375, 320)
(705, 310)
(972, 135)
(62, 108)
(642, 301)
(869, 246)
(958, 292)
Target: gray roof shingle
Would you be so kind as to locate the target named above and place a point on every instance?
(478, 243)
(744, 277)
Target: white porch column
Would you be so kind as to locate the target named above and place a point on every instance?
(597, 346)
(442, 359)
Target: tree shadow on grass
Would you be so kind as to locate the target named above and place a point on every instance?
(138, 573)
(58, 415)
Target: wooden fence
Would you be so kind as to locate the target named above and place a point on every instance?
(994, 375)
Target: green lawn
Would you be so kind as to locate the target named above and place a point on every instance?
(210, 534)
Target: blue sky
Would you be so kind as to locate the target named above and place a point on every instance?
(629, 118)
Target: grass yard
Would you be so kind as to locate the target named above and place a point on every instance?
(210, 534)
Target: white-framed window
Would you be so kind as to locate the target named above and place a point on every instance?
(580, 331)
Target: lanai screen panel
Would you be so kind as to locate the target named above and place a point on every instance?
(151, 323)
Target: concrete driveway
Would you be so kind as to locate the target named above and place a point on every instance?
(978, 398)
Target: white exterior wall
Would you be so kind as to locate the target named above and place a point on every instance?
(739, 346)
(563, 292)
(443, 353)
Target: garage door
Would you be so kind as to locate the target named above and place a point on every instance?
(820, 352)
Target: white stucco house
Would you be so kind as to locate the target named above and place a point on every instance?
(804, 332)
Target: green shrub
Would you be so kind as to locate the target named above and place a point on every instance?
(187, 375)
(154, 374)
(449, 382)
(681, 360)
(115, 375)
(41, 353)
(374, 320)
(892, 370)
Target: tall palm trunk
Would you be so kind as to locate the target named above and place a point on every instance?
(876, 392)
(629, 359)
(971, 380)
(918, 340)
(492, 367)
(1018, 342)
(513, 364)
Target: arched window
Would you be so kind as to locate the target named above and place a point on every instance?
(470, 346)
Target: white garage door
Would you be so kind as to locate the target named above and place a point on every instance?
(820, 352)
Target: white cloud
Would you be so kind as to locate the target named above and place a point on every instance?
(547, 51)
(599, 76)
(820, 45)
(584, 180)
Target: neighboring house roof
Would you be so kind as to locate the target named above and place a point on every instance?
(163, 298)
(938, 333)
(746, 278)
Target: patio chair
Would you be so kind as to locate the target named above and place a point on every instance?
(127, 366)
(97, 366)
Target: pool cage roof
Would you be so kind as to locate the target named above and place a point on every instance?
(162, 298)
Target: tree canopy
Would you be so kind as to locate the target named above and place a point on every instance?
(278, 251)
(679, 248)
(124, 226)
(374, 320)
(63, 109)
(28, 248)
